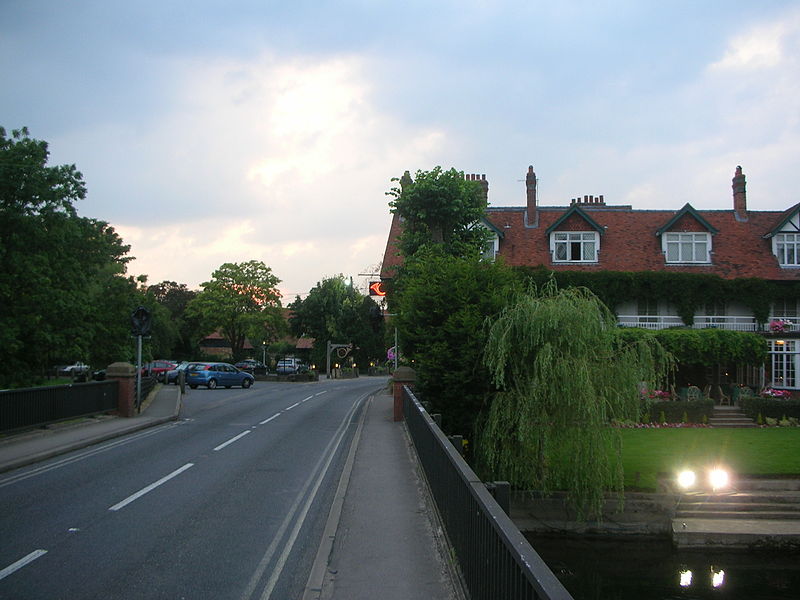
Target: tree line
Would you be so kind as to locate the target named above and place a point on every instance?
(65, 295)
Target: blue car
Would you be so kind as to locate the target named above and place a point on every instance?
(213, 375)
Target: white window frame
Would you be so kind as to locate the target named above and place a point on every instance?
(787, 248)
(785, 363)
(567, 240)
(688, 245)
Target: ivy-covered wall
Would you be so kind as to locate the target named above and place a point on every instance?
(688, 292)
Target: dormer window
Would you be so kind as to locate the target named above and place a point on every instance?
(574, 246)
(787, 249)
(691, 247)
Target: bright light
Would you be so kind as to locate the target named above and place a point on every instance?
(718, 478)
(686, 479)
(717, 577)
(686, 578)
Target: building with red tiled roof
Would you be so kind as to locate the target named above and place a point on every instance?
(592, 236)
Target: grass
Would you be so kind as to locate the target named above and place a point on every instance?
(761, 451)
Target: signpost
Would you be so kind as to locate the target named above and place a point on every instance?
(342, 350)
(141, 325)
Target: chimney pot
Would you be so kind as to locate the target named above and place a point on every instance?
(530, 189)
(739, 185)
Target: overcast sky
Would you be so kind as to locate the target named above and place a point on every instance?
(212, 132)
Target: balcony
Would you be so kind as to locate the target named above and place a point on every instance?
(731, 323)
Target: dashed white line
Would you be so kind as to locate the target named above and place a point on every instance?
(150, 487)
(230, 441)
(292, 406)
(21, 563)
(265, 421)
(307, 399)
(322, 392)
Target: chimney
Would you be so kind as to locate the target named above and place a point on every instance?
(406, 180)
(530, 186)
(739, 196)
(482, 180)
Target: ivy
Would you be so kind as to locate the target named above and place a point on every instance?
(688, 292)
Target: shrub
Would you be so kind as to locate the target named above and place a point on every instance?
(769, 407)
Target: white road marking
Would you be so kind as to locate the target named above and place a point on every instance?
(21, 563)
(322, 392)
(292, 406)
(150, 487)
(230, 441)
(307, 399)
(265, 421)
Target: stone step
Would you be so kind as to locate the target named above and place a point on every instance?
(736, 533)
(742, 496)
(735, 514)
(746, 504)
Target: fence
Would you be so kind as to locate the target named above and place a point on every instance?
(495, 558)
(32, 407)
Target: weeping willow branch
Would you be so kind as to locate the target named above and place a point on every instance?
(563, 373)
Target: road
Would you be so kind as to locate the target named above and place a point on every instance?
(228, 502)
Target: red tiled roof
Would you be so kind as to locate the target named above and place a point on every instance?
(629, 241)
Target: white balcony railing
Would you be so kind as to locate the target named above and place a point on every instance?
(730, 323)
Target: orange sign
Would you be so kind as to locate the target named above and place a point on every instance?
(376, 288)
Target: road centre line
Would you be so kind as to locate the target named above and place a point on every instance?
(21, 563)
(307, 399)
(322, 392)
(292, 406)
(230, 441)
(265, 421)
(150, 487)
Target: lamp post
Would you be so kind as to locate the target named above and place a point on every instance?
(264, 353)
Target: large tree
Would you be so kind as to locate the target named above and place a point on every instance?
(242, 301)
(563, 373)
(441, 304)
(335, 311)
(174, 298)
(63, 288)
(440, 208)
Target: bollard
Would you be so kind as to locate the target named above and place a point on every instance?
(182, 381)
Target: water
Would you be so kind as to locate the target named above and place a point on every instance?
(623, 569)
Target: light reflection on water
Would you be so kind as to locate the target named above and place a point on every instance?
(595, 568)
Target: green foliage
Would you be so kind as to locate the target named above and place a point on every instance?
(242, 301)
(442, 303)
(755, 406)
(63, 288)
(335, 311)
(688, 292)
(183, 330)
(563, 373)
(440, 208)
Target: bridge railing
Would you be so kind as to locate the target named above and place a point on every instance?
(32, 407)
(496, 560)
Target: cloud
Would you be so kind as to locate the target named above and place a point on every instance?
(285, 161)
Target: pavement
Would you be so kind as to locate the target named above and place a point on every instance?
(382, 538)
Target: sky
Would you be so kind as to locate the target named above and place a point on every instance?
(213, 132)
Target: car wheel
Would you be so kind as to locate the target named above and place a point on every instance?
(246, 383)
(227, 387)
(194, 387)
(212, 383)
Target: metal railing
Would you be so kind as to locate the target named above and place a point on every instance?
(33, 407)
(730, 323)
(495, 558)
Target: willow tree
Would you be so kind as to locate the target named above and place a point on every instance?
(563, 373)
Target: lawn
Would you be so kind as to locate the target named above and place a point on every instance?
(759, 451)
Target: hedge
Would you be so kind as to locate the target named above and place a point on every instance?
(674, 410)
(769, 407)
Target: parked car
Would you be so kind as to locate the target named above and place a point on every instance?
(213, 375)
(253, 366)
(73, 370)
(158, 368)
(173, 374)
(290, 366)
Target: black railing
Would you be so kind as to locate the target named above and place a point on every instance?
(33, 407)
(495, 558)
(148, 384)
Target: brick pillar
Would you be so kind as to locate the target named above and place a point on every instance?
(125, 374)
(402, 376)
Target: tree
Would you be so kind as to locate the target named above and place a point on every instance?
(563, 373)
(335, 311)
(63, 288)
(440, 208)
(241, 300)
(174, 298)
(441, 304)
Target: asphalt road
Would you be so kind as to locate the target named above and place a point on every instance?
(227, 503)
